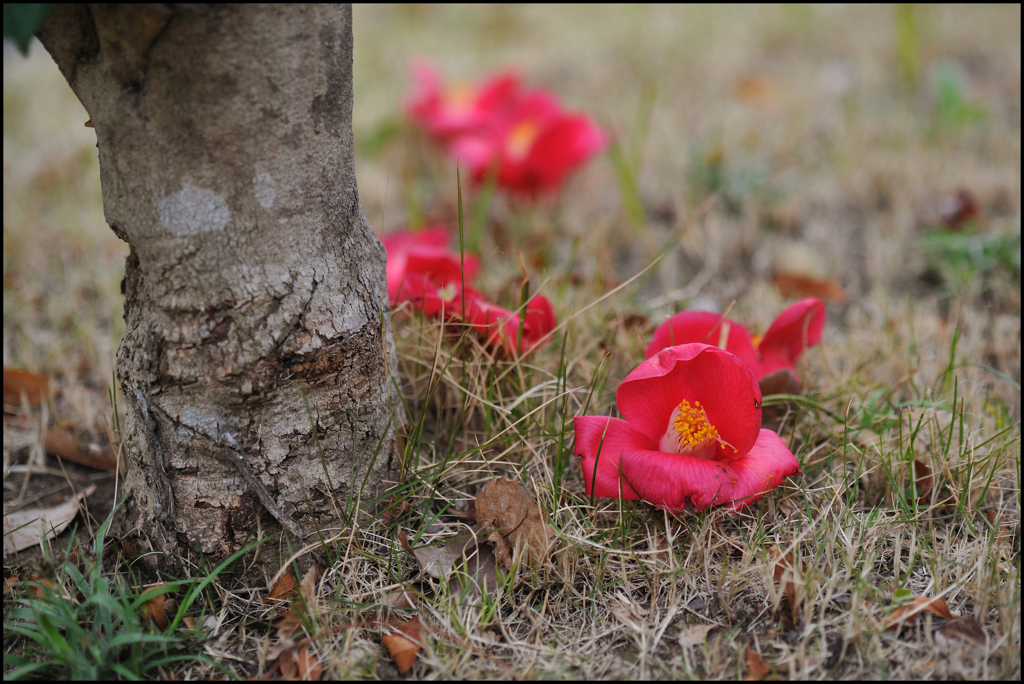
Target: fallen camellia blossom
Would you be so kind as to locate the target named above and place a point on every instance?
(501, 327)
(425, 253)
(796, 328)
(534, 145)
(453, 110)
(423, 271)
(691, 437)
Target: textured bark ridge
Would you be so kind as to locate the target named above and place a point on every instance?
(255, 362)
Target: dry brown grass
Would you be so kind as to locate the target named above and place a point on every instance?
(830, 168)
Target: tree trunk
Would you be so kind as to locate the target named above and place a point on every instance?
(257, 353)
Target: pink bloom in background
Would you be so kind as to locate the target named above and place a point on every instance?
(526, 136)
(796, 328)
(446, 111)
(533, 146)
(423, 271)
(691, 436)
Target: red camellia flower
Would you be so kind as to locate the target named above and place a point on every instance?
(425, 254)
(691, 437)
(501, 327)
(423, 271)
(534, 145)
(449, 111)
(796, 328)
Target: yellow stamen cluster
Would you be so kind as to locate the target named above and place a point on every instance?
(521, 138)
(693, 426)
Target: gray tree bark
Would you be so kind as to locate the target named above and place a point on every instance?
(257, 353)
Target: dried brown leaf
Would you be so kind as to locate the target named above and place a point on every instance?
(472, 560)
(288, 667)
(404, 644)
(784, 572)
(308, 666)
(156, 612)
(960, 633)
(395, 511)
(307, 588)
(284, 589)
(189, 622)
(919, 605)
(922, 480)
(302, 605)
(695, 636)
(957, 209)
(760, 90)
(518, 524)
(399, 598)
(10, 583)
(19, 382)
(65, 444)
(757, 669)
(797, 285)
(25, 528)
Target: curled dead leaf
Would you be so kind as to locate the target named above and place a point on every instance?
(922, 480)
(65, 444)
(757, 669)
(517, 523)
(918, 605)
(471, 560)
(756, 89)
(963, 633)
(283, 589)
(404, 644)
(21, 382)
(307, 665)
(784, 572)
(395, 511)
(303, 606)
(156, 612)
(27, 527)
(796, 285)
(957, 209)
(399, 598)
(694, 636)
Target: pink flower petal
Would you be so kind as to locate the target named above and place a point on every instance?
(724, 386)
(761, 470)
(426, 253)
(704, 327)
(795, 329)
(562, 147)
(599, 442)
(442, 266)
(675, 481)
(539, 321)
(477, 107)
(420, 292)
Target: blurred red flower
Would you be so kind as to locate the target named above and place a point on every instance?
(456, 109)
(533, 145)
(525, 136)
(691, 437)
(424, 253)
(796, 328)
